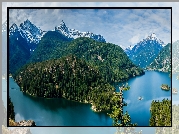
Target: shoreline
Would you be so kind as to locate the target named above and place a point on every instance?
(93, 107)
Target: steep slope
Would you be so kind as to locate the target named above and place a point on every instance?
(18, 50)
(73, 33)
(68, 77)
(113, 63)
(145, 51)
(51, 46)
(22, 42)
(175, 57)
(29, 32)
(163, 61)
(111, 60)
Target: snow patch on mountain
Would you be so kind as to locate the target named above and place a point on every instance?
(144, 52)
(28, 31)
(73, 33)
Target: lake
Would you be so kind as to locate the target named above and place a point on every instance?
(61, 112)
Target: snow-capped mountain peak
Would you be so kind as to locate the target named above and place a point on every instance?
(145, 51)
(153, 35)
(28, 31)
(73, 33)
(31, 32)
(13, 28)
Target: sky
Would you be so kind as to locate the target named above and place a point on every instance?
(122, 32)
(122, 27)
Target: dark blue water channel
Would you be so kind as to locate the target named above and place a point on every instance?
(61, 112)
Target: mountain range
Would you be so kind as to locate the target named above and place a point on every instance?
(144, 52)
(24, 39)
(73, 33)
(28, 43)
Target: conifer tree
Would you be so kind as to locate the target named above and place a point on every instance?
(120, 119)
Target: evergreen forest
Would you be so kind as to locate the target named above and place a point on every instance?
(161, 113)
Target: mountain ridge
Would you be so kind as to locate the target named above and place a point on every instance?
(163, 61)
(145, 51)
(73, 33)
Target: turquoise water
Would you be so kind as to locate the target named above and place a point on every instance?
(60, 112)
(147, 86)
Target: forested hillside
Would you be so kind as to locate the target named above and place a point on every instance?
(110, 59)
(19, 52)
(68, 77)
(52, 45)
(163, 61)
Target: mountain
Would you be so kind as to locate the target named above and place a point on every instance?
(29, 32)
(175, 56)
(145, 51)
(51, 46)
(23, 40)
(18, 50)
(73, 33)
(163, 61)
(110, 59)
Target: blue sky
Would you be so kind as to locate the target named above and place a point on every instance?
(122, 27)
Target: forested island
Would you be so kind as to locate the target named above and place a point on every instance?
(165, 87)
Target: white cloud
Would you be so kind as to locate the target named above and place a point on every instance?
(135, 39)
